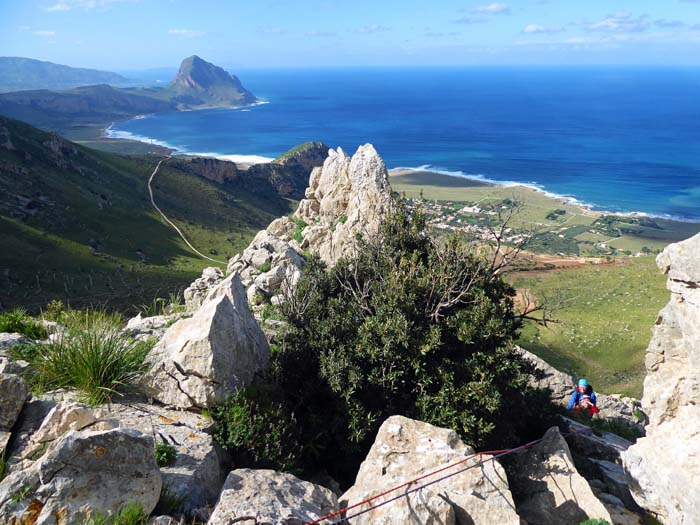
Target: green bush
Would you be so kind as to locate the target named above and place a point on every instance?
(17, 321)
(257, 430)
(300, 225)
(265, 267)
(595, 521)
(90, 356)
(406, 326)
(165, 455)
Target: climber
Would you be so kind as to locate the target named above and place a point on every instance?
(583, 399)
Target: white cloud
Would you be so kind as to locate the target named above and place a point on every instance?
(620, 23)
(495, 8)
(67, 5)
(372, 28)
(44, 33)
(186, 33)
(533, 29)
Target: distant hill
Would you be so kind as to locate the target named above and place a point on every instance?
(18, 73)
(77, 224)
(202, 84)
(82, 113)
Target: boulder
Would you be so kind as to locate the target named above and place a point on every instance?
(266, 497)
(547, 377)
(195, 478)
(663, 465)
(151, 327)
(547, 487)
(13, 394)
(80, 474)
(196, 292)
(8, 340)
(405, 449)
(202, 359)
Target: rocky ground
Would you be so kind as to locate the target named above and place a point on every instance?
(66, 462)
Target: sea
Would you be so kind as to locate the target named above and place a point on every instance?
(624, 140)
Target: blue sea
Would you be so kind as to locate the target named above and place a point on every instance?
(617, 139)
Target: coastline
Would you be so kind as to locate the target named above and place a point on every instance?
(592, 209)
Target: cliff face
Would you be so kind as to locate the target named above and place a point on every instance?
(664, 467)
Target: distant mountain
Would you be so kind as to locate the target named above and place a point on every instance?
(26, 73)
(82, 113)
(202, 84)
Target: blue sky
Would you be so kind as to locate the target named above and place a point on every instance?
(136, 34)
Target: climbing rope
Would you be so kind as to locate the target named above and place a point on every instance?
(494, 454)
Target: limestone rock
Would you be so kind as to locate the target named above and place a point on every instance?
(548, 489)
(196, 292)
(195, 478)
(151, 327)
(83, 472)
(405, 449)
(200, 360)
(13, 394)
(346, 197)
(560, 383)
(266, 497)
(8, 340)
(663, 465)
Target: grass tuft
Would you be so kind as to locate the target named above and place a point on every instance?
(17, 321)
(165, 455)
(91, 356)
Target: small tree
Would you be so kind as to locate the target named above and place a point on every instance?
(409, 326)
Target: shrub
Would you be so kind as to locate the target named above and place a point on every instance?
(18, 321)
(406, 326)
(257, 430)
(90, 356)
(265, 267)
(165, 455)
(595, 521)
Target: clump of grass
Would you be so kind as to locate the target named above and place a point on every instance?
(17, 321)
(162, 306)
(300, 225)
(91, 356)
(129, 514)
(165, 455)
(266, 267)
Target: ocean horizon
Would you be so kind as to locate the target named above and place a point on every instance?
(623, 140)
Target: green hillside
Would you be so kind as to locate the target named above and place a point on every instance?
(77, 224)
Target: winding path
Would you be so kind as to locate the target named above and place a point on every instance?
(171, 223)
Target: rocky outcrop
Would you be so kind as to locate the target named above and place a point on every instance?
(548, 488)
(665, 464)
(215, 170)
(346, 197)
(269, 497)
(80, 474)
(154, 327)
(196, 292)
(405, 449)
(202, 359)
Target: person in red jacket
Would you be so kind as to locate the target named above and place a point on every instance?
(583, 399)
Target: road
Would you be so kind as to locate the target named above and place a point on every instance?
(171, 223)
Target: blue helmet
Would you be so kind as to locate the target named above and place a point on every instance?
(582, 382)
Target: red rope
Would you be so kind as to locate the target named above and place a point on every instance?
(407, 483)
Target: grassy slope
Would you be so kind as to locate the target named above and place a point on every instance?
(610, 309)
(84, 197)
